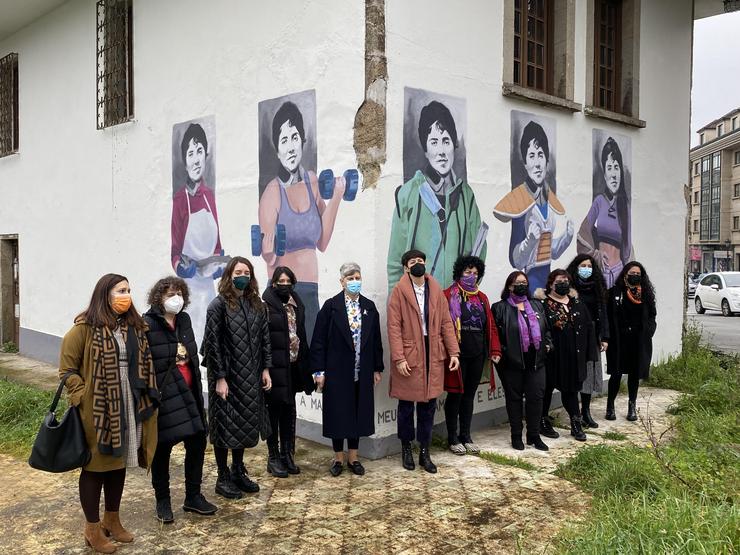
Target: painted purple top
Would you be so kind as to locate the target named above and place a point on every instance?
(604, 220)
(303, 229)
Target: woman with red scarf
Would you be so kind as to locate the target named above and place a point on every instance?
(478, 338)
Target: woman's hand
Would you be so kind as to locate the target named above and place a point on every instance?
(319, 380)
(604, 346)
(403, 368)
(377, 376)
(266, 380)
(454, 364)
(222, 388)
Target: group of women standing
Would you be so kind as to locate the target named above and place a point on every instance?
(137, 379)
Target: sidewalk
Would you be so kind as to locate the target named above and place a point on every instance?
(470, 506)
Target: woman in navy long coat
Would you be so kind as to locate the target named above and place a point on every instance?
(347, 361)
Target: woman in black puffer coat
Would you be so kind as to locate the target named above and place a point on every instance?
(290, 370)
(236, 352)
(181, 412)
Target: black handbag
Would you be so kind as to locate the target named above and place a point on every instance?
(60, 445)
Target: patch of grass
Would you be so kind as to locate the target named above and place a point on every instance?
(22, 408)
(686, 501)
(614, 436)
(506, 461)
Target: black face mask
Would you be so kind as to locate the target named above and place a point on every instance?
(283, 291)
(520, 289)
(418, 270)
(634, 280)
(562, 288)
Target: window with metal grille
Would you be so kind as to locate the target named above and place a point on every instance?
(533, 44)
(115, 92)
(9, 104)
(607, 54)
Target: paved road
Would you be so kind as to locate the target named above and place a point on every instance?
(720, 331)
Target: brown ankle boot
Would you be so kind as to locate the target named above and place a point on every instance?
(112, 526)
(95, 538)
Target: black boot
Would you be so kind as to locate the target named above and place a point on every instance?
(407, 456)
(516, 442)
(546, 428)
(225, 487)
(425, 460)
(241, 479)
(588, 421)
(632, 411)
(198, 504)
(576, 428)
(286, 457)
(164, 511)
(274, 463)
(537, 442)
(610, 414)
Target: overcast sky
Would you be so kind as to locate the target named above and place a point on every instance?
(716, 79)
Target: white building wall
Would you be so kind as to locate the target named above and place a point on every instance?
(85, 202)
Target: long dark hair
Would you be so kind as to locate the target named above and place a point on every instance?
(226, 288)
(99, 312)
(611, 147)
(597, 277)
(648, 291)
(509, 280)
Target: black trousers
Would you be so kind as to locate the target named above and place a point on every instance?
(195, 449)
(338, 444)
(282, 422)
(91, 485)
(633, 384)
(459, 406)
(524, 390)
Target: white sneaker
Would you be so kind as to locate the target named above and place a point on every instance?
(457, 448)
(471, 448)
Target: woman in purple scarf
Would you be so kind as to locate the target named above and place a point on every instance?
(525, 341)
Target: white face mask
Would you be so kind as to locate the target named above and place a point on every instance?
(174, 304)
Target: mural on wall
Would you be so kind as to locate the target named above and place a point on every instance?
(297, 209)
(435, 209)
(197, 255)
(540, 231)
(606, 232)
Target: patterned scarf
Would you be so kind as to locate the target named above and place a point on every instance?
(108, 410)
(458, 295)
(635, 294)
(529, 335)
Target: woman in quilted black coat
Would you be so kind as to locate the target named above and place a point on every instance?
(181, 413)
(236, 351)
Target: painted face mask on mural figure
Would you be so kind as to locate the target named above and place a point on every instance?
(195, 160)
(612, 174)
(290, 147)
(535, 163)
(440, 150)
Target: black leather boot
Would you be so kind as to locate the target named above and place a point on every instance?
(164, 511)
(241, 479)
(425, 461)
(537, 442)
(588, 421)
(632, 411)
(407, 456)
(225, 487)
(576, 429)
(546, 428)
(274, 463)
(610, 414)
(286, 457)
(516, 442)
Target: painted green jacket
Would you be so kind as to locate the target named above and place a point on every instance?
(442, 236)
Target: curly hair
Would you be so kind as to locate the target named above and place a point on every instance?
(464, 262)
(169, 283)
(648, 291)
(596, 276)
(553, 275)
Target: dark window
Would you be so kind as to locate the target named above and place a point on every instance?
(533, 44)
(736, 222)
(115, 92)
(696, 168)
(696, 225)
(720, 129)
(707, 280)
(607, 54)
(701, 138)
(696, 197)
(705, 191)
(737, 157)
(9, 104)
(734, 123)
(736, 190)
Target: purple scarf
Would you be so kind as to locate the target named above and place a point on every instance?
(466, 291)
(527, 340)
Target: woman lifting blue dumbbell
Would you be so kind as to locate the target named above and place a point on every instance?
(297, 210)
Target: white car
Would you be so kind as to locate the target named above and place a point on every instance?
(718, 291)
